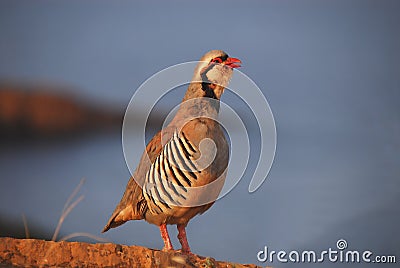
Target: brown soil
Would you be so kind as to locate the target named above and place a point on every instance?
(33, 253)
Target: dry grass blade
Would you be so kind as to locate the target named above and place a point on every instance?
(73, 194)
(68, 207)
(64, 215)
(97, 238)
(27, 235)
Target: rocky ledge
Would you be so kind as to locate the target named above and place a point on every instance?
(34, 252)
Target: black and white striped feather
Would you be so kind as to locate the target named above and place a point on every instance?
(169, 176)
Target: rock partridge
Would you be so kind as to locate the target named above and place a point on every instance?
(184, 166)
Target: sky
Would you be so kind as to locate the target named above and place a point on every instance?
(329, 70)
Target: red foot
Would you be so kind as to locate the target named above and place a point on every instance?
(183, 240)
(165, 237)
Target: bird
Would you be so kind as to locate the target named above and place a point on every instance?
(183, 168)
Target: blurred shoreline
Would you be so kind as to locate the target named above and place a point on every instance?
(34, 112)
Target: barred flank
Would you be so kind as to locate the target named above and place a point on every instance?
(172, 171)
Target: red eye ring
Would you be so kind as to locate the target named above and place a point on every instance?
(219, 60)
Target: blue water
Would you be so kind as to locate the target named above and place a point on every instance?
(329, 71)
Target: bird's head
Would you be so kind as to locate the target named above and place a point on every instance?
(214, 71)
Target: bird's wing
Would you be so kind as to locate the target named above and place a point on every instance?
(133, 205)
(171, 172)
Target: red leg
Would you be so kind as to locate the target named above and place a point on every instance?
(182, 238)
(165, 237)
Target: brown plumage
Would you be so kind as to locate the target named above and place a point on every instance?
(184, 166)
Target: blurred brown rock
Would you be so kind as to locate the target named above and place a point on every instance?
(39, 112)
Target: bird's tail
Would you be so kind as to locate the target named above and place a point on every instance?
(112, 223)
(131, 207)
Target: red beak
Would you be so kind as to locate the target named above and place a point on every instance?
(233, 62)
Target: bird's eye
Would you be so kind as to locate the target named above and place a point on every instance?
(219, 60)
